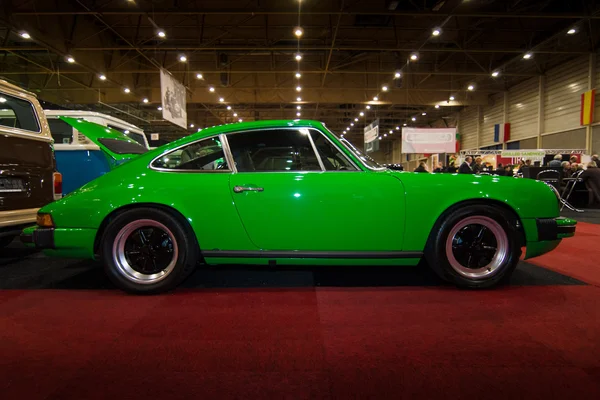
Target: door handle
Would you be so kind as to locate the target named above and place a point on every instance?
(240, 189)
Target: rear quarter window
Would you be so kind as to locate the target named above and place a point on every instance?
(18, 113)
(122, 146)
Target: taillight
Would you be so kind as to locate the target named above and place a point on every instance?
(57, 179)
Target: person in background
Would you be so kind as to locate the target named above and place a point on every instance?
(573, 160)
(591, 177)
(484, 167)
(566, 168)
(521, 166)
(580, 167)
(556, 162)
(499, 170)
(509, 170)
(465, 167)
(596, 160)
(573, 168)
(422, 167)
(451, 168)
(439, 168)
(477, 167)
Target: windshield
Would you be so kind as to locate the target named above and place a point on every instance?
(122, 147)
(366, 160)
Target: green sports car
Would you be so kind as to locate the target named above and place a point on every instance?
(292, 192)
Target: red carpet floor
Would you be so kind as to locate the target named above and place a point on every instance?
(518, 342)
(298, 343)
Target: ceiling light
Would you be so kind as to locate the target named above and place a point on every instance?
(414, 56)
(102, 77)
(471, 87)
(414, 118)
(25, 35)
(436, 32)
(368, 107)
(385, 135)
(229, 107)
(298, 31)
(362, 114)
(298, 75)
(221, 100)
(451, 98)
(298, 98)
(145, 100)
(391, 132)
(235, 114)
(199, 76)
(384, 88)
(240, 120)
(437, 106)
(424, 113)
(191, 125)
(211, 89)
(571, 31)
(126, 90)
(70, 59)
(527, 56)
(379, 138)
(355, 119)
(404, 124)
(298, 88)
(397, 128)
(182, 58)
(159, 108)
(351, 123)
(298, 114)
(375, 98)
(398, 74)
(161, 33)
(495, 74)
(298, 57)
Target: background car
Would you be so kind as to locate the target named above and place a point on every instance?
(291, 192)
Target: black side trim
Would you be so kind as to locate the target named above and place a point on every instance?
(312, 254)
(547, 229)
(43, 238)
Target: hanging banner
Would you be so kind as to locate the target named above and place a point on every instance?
(372, 137)
(587, 107)
(523, 153)
(173, 98)
(428, 140)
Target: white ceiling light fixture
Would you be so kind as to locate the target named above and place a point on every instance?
(240, 120)
(384, 88)
(391, 132)
(298, 88)
(145, 100)
(451, 98)
(235, 114)
(298, 57)
(527, 56)
(298, 98)
(126, 90)
(161, 34)
(211, 89)
(298, 107)
(298, 31)
(182, 58)
(471, 87)
(404, 124)
(355, 119)
(70, 59)
(571, 31)
(221, 100)
(159, 108)
(228, 107)
(398, 75)
(437, 106)
(191, 125)
(414, 118)
(362, 114)
(351, 123)
(102, 77)
(25, 35)
(375, 98)
(423, 113)
(368, 107)
(298, 114)
(414, 56)
(495, 74)
(397, 128)
(298, 75)
(199, 76)
(436, 32)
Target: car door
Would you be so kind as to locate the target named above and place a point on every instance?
(288, 198)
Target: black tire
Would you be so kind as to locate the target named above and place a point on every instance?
(178, 237)
(444, 255)
(6, 240)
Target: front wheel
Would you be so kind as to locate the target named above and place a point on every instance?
(148, 251)
(475, 247)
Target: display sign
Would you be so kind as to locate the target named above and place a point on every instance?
(428, 140)
(372, 137)
(154, 136)
(173, 99)
(523, 153)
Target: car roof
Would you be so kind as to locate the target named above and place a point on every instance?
(84, 113)
(243, 126)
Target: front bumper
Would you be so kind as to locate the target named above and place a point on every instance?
(555, 228)
(41, 238)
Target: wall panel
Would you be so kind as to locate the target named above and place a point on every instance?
(574, 139)
(523, 109)
(562, 99)
(467, 127)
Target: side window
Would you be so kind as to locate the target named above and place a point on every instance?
(62, 133)
(18, 113)
(333, 159)
(132, 135)
(273, 150)
(205, 155)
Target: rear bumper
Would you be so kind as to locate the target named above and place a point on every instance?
(61, 242)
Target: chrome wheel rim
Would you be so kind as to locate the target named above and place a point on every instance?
(145, 251)
(477, 247)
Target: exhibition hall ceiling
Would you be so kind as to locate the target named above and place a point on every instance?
(264, 59)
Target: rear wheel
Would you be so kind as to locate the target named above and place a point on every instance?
(148, 251)
(476, 246)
